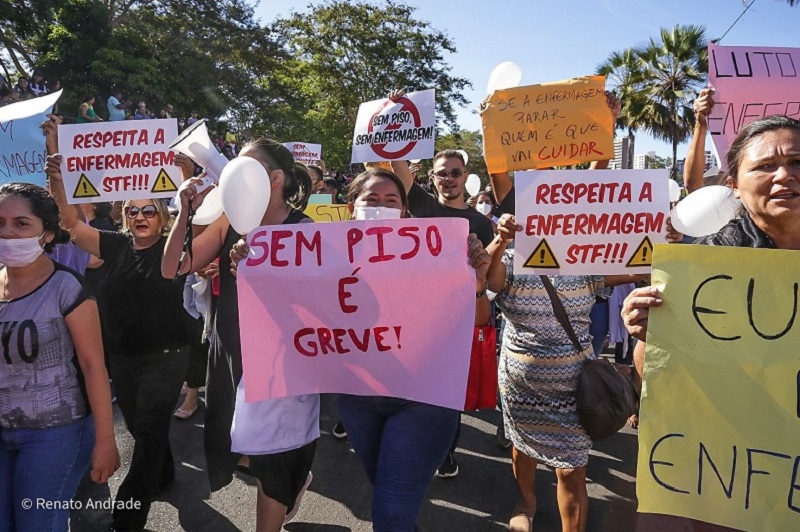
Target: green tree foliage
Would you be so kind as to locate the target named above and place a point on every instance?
(674, 71)
(345, 53)
(658, 83)
(205, 55)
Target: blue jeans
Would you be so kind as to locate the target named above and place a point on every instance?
(400, 443)
(40, 467)
(599, 326)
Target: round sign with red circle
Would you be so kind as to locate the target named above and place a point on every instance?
(406, 115)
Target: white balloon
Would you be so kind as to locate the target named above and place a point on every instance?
(210, 210)
(705, 211)
(415, 161)
(244, 191)
(464, 156)
(473, 184)
(674, 191)
(504, 76)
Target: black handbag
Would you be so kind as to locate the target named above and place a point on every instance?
(606, 397)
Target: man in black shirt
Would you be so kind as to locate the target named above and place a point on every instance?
(449, 178)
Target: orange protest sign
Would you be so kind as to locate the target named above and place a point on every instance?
(552, 124)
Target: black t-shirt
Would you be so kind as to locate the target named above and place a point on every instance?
(423, 205)
(143, 311)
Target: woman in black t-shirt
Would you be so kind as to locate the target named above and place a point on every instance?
(148, 338)
(282, 476)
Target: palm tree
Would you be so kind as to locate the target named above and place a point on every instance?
(673, 71)
(623, 73)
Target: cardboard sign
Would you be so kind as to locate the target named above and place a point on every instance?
(304, 152)
(719, 432)
(321, 212)
(751, 83)
(111, 161)
(589, 222)
(320, 311)
(553, 124)
(22, 150)
(389, 131)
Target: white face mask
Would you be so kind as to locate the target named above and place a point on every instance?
(483, 208)
(377, 213)
(19, 252)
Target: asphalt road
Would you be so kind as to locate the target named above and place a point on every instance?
(480, 498)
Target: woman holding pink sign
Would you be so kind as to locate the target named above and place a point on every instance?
(400, 442)
(273, 441)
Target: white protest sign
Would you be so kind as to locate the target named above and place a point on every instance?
(589, 222)
(751, 82)
(305, 152)
(22, 149)
(391, 131)
(111, 161)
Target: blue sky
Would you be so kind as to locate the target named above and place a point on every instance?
(558, 39)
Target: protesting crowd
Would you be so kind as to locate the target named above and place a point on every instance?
(148, 303)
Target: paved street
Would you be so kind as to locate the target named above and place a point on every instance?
(480, 498)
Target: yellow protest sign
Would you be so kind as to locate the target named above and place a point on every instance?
(720, 425)
(552, 124)
(321, 212)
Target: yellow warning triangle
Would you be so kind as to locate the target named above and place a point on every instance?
(163, 183)
(85, 188)
(643, 256)
(542, 257)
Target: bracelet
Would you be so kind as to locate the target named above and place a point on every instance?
(482, 293)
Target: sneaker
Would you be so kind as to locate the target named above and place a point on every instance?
(339, 432)
(449, 467)
(296, 507)
(500, 438)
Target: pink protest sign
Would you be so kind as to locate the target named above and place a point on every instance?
(751, 82)
(365, 308)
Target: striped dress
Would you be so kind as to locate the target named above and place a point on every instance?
(539, 367)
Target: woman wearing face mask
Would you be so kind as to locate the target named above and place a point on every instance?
(401, 443)
(149, 344)
(484, 204)
(261, 446)
(55, 412)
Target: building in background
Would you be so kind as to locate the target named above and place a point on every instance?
(623, 148)
(640, 162)
(711, 160)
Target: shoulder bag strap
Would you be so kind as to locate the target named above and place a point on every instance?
(560, 312)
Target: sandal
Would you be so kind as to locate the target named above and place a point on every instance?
(520, 521)
(182, 413)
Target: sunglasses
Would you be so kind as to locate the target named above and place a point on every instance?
(455, 173)
(148, 211)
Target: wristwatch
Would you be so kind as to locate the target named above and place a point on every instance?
(482, 293)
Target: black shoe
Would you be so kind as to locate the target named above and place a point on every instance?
(339, 432)
(449, 467)
(500, 438)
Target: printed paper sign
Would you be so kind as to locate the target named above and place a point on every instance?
(22, 150)
(751, 83)
(389, 131)
(553, 124)
(327, 212)
(719, 432)
(111, 161)
(304, 152)
(321, 310)
(589, 222)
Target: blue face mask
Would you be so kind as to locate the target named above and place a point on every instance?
(20, 252)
